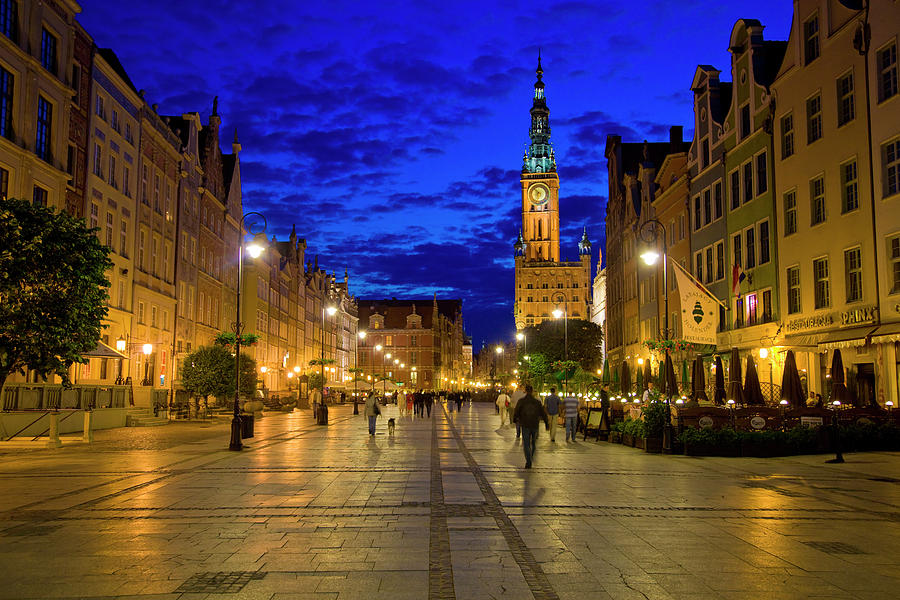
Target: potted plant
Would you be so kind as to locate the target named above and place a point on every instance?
(654, 415)
(633, 433)
(615, 432)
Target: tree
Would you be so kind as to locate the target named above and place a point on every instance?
(314, 381)
(53, 290)
(209, 371)
(320, 361)
(585, 341)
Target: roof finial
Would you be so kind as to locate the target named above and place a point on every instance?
(235, 136)
(539, 70)
(215, 111)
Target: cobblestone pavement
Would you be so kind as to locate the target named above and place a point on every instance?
(440, 510)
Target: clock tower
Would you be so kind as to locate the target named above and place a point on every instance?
(540, 184)
(544, 282)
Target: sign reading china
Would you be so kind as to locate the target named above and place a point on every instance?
(699, 313)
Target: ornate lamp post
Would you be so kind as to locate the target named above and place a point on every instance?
(384, 357)
(649, 233)
(564, 313)
(148, 350)
(254, 250)
(121, 347)
(322, 417)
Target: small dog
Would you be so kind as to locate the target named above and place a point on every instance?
(391, 426)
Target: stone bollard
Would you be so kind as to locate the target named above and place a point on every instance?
(53, 440)
(88, 435)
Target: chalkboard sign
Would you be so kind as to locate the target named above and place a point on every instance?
(595, 416)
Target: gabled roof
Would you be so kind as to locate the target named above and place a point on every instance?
(113, 61)
(395, 311)
(767, 61)
(720, 109)
(228, 163)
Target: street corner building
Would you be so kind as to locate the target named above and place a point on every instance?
(542, 280)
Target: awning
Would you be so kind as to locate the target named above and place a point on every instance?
(846, 338)
(102, 351)
(886, 333)
(802, 341)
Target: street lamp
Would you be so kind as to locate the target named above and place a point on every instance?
(384, 357)
(564, 313)
(121, 347)
(322, 417)
(649, 233)
(148, 350)
(254, 250)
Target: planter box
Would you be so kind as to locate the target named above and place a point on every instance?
(639, 443)
(627, 439)
(615, 437)
(764, 450)
(653, 444)
(711, 450)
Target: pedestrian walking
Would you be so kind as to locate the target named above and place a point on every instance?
(570, 406)
(429, 400)
(528, 415)
(551, 403)
(372, 411)
(514, 398)
(502, 404)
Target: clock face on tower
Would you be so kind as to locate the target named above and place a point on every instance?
(538, 194)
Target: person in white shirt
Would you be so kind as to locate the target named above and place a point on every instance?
(503, 407)
(646, 397)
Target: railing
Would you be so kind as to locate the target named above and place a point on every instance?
(38, 396)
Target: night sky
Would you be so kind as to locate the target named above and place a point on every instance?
(392, 133)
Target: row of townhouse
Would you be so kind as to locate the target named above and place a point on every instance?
(76, 134)
(793, 180)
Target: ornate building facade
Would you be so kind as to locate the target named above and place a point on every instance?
(543, 282)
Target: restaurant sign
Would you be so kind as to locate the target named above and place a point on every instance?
(859, 316)
(845, 318)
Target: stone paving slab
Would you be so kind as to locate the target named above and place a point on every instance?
(440, 510)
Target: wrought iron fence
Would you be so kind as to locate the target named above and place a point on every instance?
(35, 396)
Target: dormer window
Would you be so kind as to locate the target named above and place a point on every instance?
(376, 322)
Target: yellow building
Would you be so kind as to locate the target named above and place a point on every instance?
(838, 196)
(543, 282)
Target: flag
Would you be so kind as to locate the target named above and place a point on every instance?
(737, 277)
(699, 311)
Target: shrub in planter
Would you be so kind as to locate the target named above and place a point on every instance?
(706, 441)
(654, 415)
(633, 430)
(764, 443)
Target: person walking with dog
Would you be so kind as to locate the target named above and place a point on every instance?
(372, 411)
(528, 415)
(503, 407)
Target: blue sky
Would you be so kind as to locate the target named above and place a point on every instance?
(392, 133)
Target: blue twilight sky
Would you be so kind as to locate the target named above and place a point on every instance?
(392, 133)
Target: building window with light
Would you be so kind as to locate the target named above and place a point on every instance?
(853, 274)
(48, 50)
(822, 291)
(9, 19)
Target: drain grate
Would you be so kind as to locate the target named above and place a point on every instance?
(223, 582)
(834, 547)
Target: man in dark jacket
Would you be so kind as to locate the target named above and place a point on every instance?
(528, 414)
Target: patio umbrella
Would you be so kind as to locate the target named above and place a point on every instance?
(626, 378)
(698, 381)
(605, 371)
(639, 381)
(752, 391)
(669, 385)
(839, 389)
(791, 387)
(648, 372)
(661, 375)
(735, 391)
(685, 379)
(719, 394)
(615, 381)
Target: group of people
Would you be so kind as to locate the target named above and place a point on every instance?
(416, 403)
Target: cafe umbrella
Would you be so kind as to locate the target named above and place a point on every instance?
(719, 392)
(698, 381)
(685, 379)
(791, 387)
(670, 385)
(640, 386)
(648, 372)
(735, 391)
(839, 389)
(752, 390)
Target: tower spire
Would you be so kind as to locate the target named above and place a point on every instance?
(539, 158)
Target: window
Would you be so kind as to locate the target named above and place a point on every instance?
(720, 260)
(4, 184)
(110, 226)
(696, 213)
(739, 312)
(156, 205)
(698, 266)
(44, 123)
(890, 157)
(123, 301)
(709, 264)
(115, 120)
(849, 187)
(76, 82)
(153, 312)
(112, 172)
(123, 237)
(846, 109)
(790, 212)
(6, 103)
(767, 305)
(764, 254)
(817, 199)
(787, 135)
(70, 160)
(820, 279)
(853, 273)
(153, 245)
(142, 241)
(140, 314)
(704, 155)
(707, 207)
(811, 39)
(894, 257)
(413, 340)
(750, 246)
(793, 282)
(100, 107)
(813, 119)
(717, 196)
(128, 137)
(737, 254)
(39, 196)
(145, 198)
(748, 181)
(48, 50)
(887, 72)
(126, 181)
(98, 158)
(735, 189)
(9, 19)
(745, 120)
(751, 309)
(388, 340)
(762, 176)
(95, 215)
